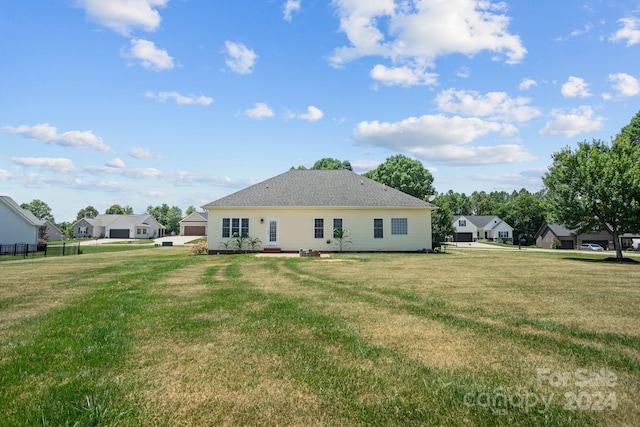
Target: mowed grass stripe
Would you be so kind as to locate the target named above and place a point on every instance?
(362, 383)
(68, 368)
(591, 352)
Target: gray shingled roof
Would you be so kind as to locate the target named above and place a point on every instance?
(319, 188)
(28, 215)
(560, 230)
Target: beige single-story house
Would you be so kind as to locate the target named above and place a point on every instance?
(302, 209)
(194, 224)
(142, 226)
(17, 225)
(470, 228)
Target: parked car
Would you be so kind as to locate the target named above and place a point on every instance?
(591, 247)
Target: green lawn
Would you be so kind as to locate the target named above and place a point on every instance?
(156, 336)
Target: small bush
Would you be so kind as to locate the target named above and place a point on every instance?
(200, 248)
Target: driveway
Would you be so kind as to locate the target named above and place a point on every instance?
(176, 240)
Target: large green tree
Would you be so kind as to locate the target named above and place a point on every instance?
(168, 216)
(329, 163)
(88, 212)
(442, 218)
(40, 209)
(525, 212)
(597, 186)
(404, 174)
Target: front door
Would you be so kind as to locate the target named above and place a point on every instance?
(272, 232)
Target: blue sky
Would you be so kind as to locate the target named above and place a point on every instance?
(144, 102)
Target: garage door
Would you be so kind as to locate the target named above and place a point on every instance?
(194, 230)
(116, 233)
(464, 237)
(566, 244)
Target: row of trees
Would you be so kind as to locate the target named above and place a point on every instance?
(595, 187)
(169, 217)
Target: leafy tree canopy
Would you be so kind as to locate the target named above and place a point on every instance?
(88, 212)
(190, 210)
(329, 163)
(114, 210)
(597, 186)
(168, 216)
(404, 174)
(40, 209)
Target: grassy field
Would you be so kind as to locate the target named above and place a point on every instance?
(155, 336)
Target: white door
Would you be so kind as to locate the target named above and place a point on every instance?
(272, 232)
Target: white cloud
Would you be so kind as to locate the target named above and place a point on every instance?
(123, 15)
(527, 84)
(290, 7)
(259, 111)
(442, 139)
(45, 133)
(365, 165)
(116, 163)
(404, 76)
(240, 58)
(580, 120)
(179, 98)
(313, 114)
(141, 153)
(135, 173)
(58, 165)
(5, 174)
(493, 105)
(149, 55)
(415, 34)
(630, 31)
(625, 84)
(575, 87)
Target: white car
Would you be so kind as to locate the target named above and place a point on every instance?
(591, 247)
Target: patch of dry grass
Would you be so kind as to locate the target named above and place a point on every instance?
(354, 339)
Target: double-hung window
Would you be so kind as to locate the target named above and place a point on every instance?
(318, 228)
(399, 226)
(235, 227)
(378, 228)
(337, 227)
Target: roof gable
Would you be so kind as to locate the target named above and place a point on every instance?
(25, 214)
(320, 188)
(482, 221)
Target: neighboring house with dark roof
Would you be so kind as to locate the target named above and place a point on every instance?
(300, 209)
(470, 228)
(549, 233)
(50, 232)
(17, 225)
(142, 226)
(194, 224)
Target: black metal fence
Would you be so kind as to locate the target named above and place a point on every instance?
(30, 249)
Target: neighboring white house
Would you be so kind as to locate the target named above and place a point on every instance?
(194, 224)
(470, 228)
(142, 226)
(17, 225)
(300, 209)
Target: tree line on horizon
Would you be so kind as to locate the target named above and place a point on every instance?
(595, 187)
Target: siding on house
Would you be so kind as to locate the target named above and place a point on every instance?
(296, 228)
(17, 225)
(295, 199)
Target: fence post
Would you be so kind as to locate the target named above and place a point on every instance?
(64, 245)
